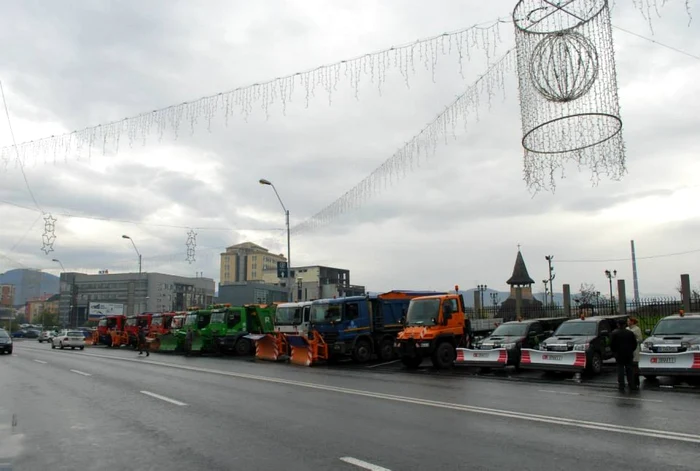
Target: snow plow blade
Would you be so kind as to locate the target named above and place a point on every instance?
(307, 350)
(167, 343)
(269, 346)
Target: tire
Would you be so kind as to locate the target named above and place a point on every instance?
(243, 347)
(82, 348)
(9, 352)
(444, 356)
(411, 363)
(60, 344)
(650, 377)
(53, 345)
(386, 350)
(596, 363)
(362, 353)
(72, 348)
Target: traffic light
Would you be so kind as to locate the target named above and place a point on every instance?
(281, 269)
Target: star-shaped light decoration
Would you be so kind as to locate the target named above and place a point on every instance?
(191, 246)
(49, 236)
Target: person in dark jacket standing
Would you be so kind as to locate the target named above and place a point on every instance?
(142, 341)
(623, 343)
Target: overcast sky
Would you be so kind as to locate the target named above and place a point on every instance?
(456, 219)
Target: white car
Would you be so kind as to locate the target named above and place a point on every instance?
(46, 336)
(68, 338)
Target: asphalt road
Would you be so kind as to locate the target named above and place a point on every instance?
(110, 409)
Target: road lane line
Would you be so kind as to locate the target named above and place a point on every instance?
(163, 398)
(560, 421)
(383, 364)
(40, 361)
(628, 398)
(81, 373)
(558, 392)
(363, 464)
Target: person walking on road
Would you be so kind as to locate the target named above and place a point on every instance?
(142, 341)
(632, 325)
(623, 343)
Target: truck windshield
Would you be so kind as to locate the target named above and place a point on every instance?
(423, 311)
(511, 330)
(191, 319)
(324, 313)
(678, 327)
(576, 328)
(102, 323)
(176, 323)
(111, 322)
(157, 320)
(217, 317)
(131, 321)
(288, 315)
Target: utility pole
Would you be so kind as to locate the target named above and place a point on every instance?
(552, 275)
(546, 292)
(635, 280)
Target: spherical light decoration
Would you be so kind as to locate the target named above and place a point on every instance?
(564, 66)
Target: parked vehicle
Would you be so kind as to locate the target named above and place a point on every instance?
(134, 324)
(434, 327)
(577, 345)
(5, 342)
(69, 338)
(503, 347)
(169, 338)
(160, 325)
(290, 319)
(46, 336)
(111, 331)
(672, 348)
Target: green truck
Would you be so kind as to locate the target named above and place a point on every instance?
(222, 328)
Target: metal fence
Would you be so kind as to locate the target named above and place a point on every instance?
(648, 311)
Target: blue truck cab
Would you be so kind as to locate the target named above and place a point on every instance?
(362, 326)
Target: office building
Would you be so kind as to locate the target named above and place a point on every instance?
(247, 262)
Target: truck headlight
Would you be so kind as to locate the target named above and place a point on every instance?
(581, 347)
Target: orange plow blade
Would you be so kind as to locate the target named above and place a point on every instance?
(269, 347)
(307, 350)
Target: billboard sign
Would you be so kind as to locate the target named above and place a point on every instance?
(98, 309)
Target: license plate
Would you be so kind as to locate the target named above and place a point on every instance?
(663, 359)
(666, 349)
(480, 355)
(552, 357)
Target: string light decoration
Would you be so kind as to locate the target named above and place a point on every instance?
(49, 236)
(325, 79)
(568, 90)
(420, 147)
(191, 246)
(649, 8)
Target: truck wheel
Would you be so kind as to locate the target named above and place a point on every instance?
(443, 356)
(362, 352)
(386, 350)
(243, 347)
(650, 377)
(596, 363)
(411, 362)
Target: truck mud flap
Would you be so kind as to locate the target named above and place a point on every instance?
(267, 346)
(168, 343)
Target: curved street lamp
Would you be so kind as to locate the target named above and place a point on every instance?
(263, 181)
(137, 250)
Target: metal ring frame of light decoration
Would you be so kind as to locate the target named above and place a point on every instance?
(563, 43)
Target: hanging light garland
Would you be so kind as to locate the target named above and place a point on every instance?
(420, 147)
(278, 92)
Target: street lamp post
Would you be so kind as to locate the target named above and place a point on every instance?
(137, 250)
(610, 276)
(43, 314)
(289, 245)
(546, 291)
(481, 289)
(494, 298)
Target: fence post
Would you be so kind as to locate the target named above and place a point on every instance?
(477, 305)
(685, 292)
(621, 298)
(567, 300)
(518, 302)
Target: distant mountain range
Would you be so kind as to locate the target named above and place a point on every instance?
(30, 284)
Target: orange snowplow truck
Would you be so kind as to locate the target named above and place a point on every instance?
(433, 328)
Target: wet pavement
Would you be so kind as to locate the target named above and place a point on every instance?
(111, 409)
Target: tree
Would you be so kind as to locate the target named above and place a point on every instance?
(48, 319)
(588, 294)
(21, 319)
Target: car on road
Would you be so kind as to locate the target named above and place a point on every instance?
(5, 342)
(69, 339)
(46, 336)
(577, 345)
(673, 348)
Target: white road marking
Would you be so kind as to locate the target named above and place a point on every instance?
(560, 421)
(363, 464)
(40, 361)
(628, 398)
(559, 392)
(163, 398)
(382, 364)
(81, 373)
